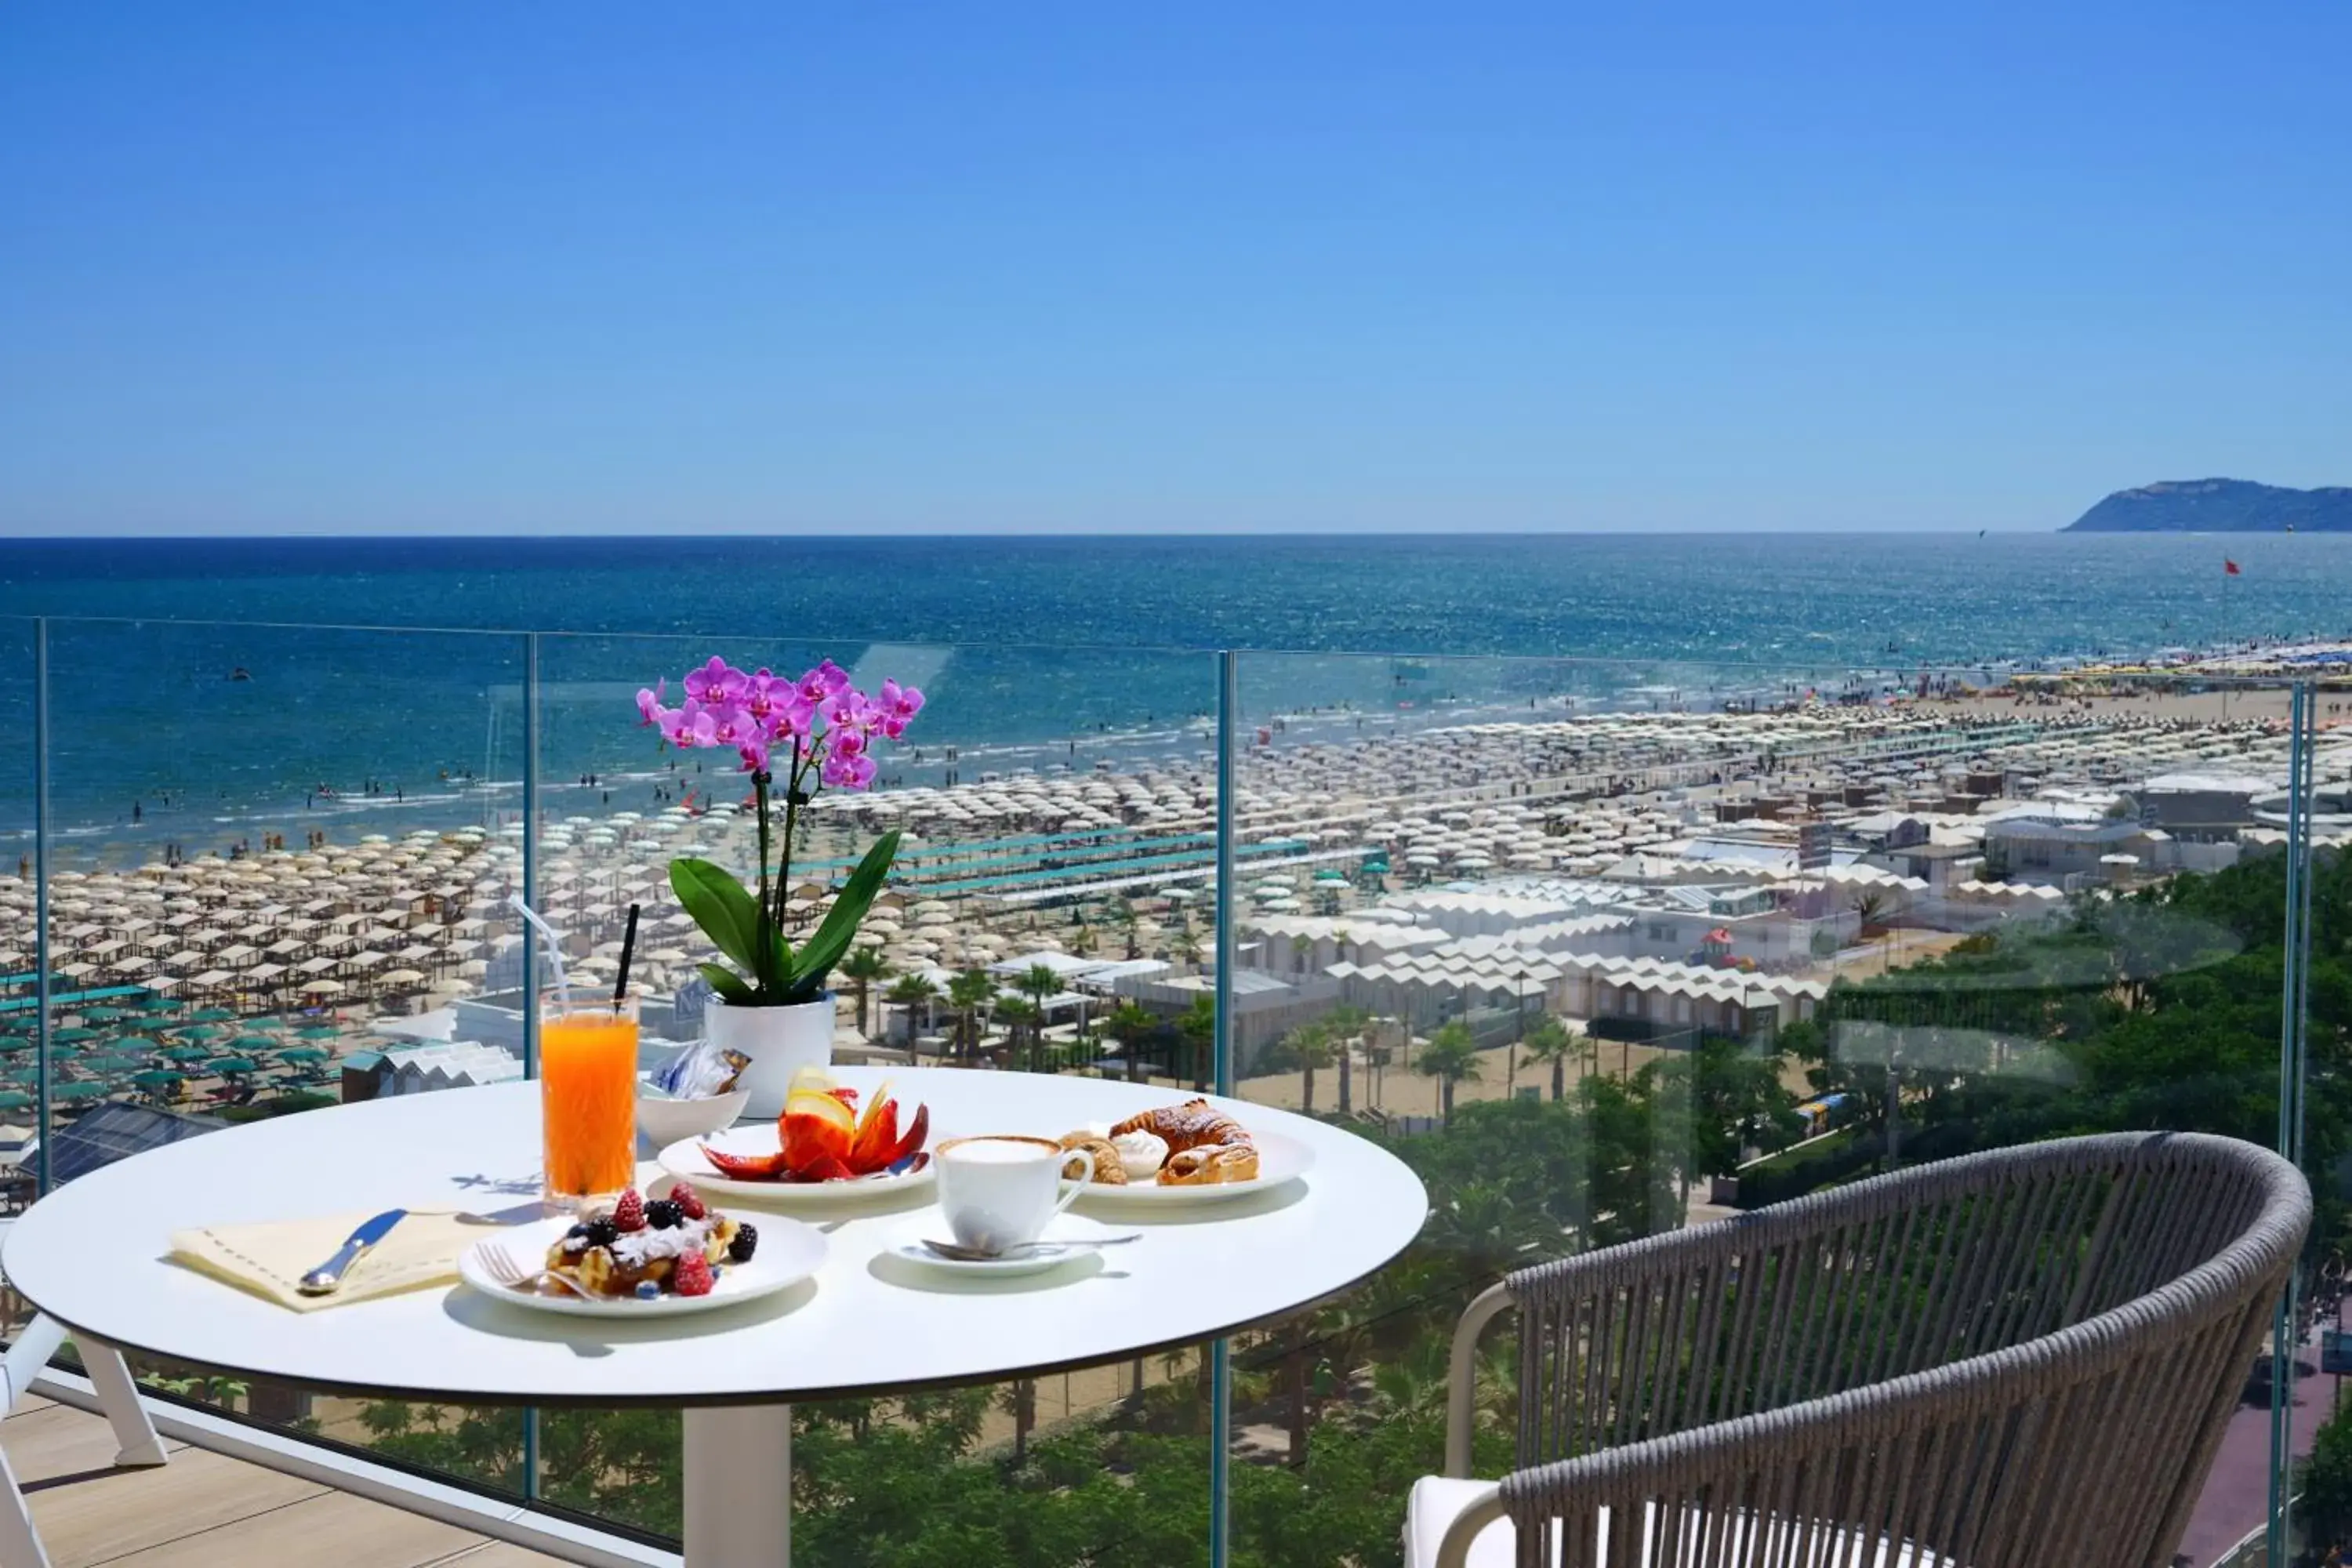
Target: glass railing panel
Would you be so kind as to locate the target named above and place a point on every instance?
(1043, 796)
(19, 919)
(1603, 951)
(275, 858)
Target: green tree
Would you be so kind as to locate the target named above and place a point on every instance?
(1308, 1047)
(862, 967)
(971, 993)
(910, 992)
(1348, 1024)
(1131, 1027)
(1197, 1027)
(1550, 1041)
(1450, 1057)
(2325, 1475)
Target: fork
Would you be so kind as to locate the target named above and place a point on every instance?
(500, 1264)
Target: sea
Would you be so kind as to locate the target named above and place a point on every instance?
(202, 691)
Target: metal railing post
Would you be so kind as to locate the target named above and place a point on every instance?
(2285, 1327)
(1221, 1363)
(41, 903)
(530, 964)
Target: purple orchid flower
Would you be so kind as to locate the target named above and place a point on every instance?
(898, 706)
(691, 725)
(718, 684)
(848, 772)
(793, 719)
(826, 681)
(649, 703)
(754, 752)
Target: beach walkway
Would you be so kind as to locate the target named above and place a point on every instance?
(204, 1510)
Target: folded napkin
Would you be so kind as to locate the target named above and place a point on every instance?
(270, 1258)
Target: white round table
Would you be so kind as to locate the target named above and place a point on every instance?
(93, 1255)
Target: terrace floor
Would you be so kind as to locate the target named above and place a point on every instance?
(203, 1510)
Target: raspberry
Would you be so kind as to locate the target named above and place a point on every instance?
(629, 1214)
(688, 1201)
(693, 1276)
(746, 1241)
(663, 1214)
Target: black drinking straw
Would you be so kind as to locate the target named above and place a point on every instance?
(628, 951)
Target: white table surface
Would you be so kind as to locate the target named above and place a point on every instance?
(93, 1255)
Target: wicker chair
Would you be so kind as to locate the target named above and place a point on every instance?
(2021, 1359)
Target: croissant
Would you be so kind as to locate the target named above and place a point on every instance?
(1109, 1171)
(1205, 1146)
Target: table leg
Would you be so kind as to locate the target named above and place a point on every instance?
(738, 1487)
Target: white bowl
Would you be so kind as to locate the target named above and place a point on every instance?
(666, 1121)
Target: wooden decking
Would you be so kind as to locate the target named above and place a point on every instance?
(202, 1510)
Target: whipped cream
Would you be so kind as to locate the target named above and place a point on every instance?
(1141, 1154)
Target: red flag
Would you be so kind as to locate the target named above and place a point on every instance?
(2229, 567)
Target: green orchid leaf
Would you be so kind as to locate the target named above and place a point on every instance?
(822, 951)
(728, 983)
(724, 908)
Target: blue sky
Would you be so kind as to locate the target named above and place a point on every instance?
(500, 267)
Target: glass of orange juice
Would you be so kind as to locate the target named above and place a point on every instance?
(588, 1099)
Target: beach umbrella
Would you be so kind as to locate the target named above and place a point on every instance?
(226, 1065)
(153, 1078)
(102, 1015)
(183, 1053)
(318, 1032)
(73, 1091)
(73, 1033)
(254, 1043)
(14, 1099)
(212, 1015)
(112, 1064)
(303, 1053)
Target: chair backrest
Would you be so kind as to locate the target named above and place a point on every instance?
(1985, 1356)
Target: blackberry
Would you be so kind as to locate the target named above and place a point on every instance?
(663, 1214)
(575, 1233)
(746, 1242)
(598, 1232)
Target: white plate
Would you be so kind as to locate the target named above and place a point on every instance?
(788, 1253)
(683, 1160)
(1060, 1231)
(1280, 1160)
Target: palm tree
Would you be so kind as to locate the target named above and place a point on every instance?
(1130, 1026)
(910, 992)
(1038, 982)
(1123, 915)
(1450, 1057)
(1198, 1026)
(1308, 1048)
(967, 993)
(1021, 1018)
(1187, 946)
(1347, 1025)
(861, 967)
(1550, 1041)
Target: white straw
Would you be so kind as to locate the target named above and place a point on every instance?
(554, 950)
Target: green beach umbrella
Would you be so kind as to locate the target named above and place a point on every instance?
(73, 1091)
(101, 1015)
(134, 1043)
(73, 1032)
(226, 1064)
(318, 1032)
(203, 1032)
(183, 1053)
(153, 1078)
(10, 1044)
(303, 1053)
(212, 1015)
(113, 1064)
(255, 1043)
(13, 1099)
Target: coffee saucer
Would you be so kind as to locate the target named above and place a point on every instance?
(1063, 1241)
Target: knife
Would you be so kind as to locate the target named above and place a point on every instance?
(327, 1278)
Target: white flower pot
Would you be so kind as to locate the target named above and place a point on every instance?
(780, 1041)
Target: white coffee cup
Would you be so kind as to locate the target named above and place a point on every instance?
(999, 1192)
